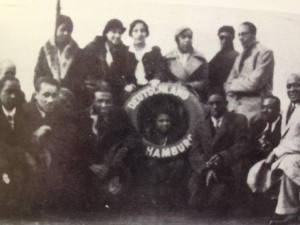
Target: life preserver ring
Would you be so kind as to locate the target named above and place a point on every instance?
(194, 108)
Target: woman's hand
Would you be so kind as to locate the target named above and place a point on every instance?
(130, 88)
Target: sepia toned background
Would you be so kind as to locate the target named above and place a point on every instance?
(27, 25)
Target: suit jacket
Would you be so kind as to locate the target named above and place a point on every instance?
(231, 142)
(14, 143)
(62, 142)
(220, 67)
(252, 72)
(196, 70)
(261, 178)
(257, 127)
(113, 135)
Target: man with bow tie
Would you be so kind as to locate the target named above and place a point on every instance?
(283, 163)
(252, 74)
(219, 146)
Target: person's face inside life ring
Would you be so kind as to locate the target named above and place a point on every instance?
(102, 103)
(114, 36)
(163, 124)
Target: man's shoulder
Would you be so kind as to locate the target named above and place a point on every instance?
(261, 48)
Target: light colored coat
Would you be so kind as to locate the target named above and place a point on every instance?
(251, 80)
(288, 153)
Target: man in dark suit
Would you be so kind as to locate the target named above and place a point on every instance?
(109, 145)
(219, 147)
(266, 129)
(54, 144)
(13, 145)
(222, 63)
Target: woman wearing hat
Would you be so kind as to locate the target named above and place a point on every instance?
(109, 59)
(187, 65)
(62, 59)
(149, 63)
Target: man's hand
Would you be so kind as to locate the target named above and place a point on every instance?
(99, 169)
(215, 161)
(40, 132)
(211, 178)
(264, 145)
(270, 159)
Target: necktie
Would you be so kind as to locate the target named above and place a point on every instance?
(290, 112)
(11, 121)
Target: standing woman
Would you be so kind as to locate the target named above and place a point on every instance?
(109, 59)
(187, 65)
(149, 62)
(62, 59)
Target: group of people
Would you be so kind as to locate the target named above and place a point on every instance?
(73, 146)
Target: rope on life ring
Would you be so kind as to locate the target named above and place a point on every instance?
(190, 102)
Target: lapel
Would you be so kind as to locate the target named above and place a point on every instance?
(206, 130)
(68, 56)
(222, 130)
(5, 126)
(294, 118)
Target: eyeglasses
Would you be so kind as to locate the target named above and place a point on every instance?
(223, 37)
(244, 33)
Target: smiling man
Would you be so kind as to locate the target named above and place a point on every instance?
(283, 162)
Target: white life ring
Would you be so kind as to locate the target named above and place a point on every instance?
(195, 110)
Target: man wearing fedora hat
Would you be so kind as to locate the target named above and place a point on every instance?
(110, 60)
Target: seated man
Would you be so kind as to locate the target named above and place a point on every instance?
(109, 143)
(265, 129)
(13, 145)
(54, 144)
(283, 163)
(217, 155)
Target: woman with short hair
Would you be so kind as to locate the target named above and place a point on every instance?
(109, 59)
(149, 62)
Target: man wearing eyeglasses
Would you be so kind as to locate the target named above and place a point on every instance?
(221, 64)
(252, 74)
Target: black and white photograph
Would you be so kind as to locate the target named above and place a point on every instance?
(147, 112)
